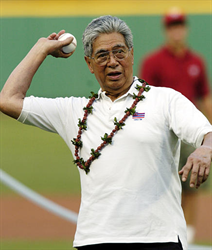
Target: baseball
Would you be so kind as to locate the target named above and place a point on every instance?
(70, 47)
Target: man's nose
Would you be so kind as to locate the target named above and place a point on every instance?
(111, 59)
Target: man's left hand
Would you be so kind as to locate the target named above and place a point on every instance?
(198, 163)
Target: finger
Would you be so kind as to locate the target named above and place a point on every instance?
(65, 43)
(180, 172)
(185, 170)
(200, 177)
(59, 34)
(60, 53)
(52, 36)
(207, 171)
(65, 55)
(68, 40)
(194, 175)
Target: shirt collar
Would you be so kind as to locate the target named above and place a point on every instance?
(131, 91)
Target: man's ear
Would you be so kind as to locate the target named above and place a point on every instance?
(132, 53)
(88, 61)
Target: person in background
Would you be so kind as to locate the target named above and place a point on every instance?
(175, 65)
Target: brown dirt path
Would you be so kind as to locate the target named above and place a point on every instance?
(21, 219)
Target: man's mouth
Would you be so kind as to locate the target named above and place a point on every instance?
(114, 74)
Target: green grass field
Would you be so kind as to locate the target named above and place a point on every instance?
(47, 245)
(36, 245)
(39, 159)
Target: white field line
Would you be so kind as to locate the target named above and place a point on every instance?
(37, 198)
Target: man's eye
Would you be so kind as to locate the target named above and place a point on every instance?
(119, 51)
(102, 55)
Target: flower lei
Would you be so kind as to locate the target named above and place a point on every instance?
(107, 139)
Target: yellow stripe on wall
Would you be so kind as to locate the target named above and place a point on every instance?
(48, 8)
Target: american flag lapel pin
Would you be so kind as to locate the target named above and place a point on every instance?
(138, 116)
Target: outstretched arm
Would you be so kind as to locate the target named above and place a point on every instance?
(199, 163)
(16, 86)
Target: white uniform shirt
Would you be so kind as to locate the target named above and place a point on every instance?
(133, 191)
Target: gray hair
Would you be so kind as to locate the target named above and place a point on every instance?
(105, 24)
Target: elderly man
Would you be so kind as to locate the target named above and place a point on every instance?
(125, 140)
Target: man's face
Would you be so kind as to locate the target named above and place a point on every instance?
(115, 76)
(176, 34)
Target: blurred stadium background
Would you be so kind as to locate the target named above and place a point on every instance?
(41, 160)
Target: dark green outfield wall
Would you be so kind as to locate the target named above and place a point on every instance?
(65, 77)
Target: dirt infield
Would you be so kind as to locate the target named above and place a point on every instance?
(21, 219)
